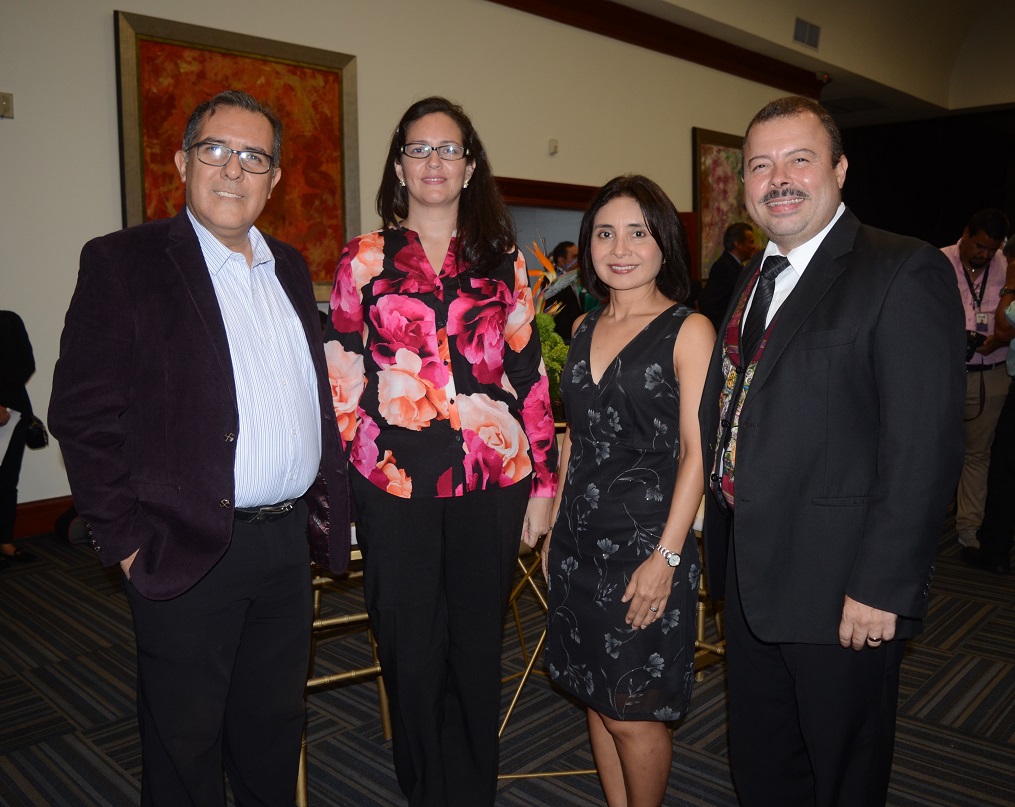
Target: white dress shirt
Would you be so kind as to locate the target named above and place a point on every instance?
(798, 258)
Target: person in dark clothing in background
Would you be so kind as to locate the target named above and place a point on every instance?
(739, 247)
(565, 259)
(17, 364)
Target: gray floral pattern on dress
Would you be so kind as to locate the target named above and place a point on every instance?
(617, 493)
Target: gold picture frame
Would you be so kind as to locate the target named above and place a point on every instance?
(718, 192)
(166, 68)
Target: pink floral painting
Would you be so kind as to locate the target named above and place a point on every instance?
(718, 192)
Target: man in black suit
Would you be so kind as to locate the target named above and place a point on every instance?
(738, 247)
(192, 404)
(831, 425)
(565, 259)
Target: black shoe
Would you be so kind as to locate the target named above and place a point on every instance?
(975, 557)
(19, 556)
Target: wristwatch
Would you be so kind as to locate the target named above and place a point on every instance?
(672, 558)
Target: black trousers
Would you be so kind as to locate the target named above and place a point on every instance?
(438, 574)
(998, 527)
(10, 472)
(810, 725)
(222, 671)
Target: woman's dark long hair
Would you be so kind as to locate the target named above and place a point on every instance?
(485, 228)
(663, 222)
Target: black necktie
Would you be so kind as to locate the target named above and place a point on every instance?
(754, 328)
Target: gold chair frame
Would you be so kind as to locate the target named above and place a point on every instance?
(523, 677)
(706, 653)
(314, 684)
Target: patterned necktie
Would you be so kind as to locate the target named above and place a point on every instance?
(754, 327)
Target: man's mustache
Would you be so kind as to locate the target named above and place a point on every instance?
(784, 193)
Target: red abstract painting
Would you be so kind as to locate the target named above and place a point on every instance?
(306, 208)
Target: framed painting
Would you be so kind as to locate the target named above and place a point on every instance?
(165, 69)
(718, 192)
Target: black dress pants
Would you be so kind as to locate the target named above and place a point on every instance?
(810, 725)
(222, 671)
(998, 527)
(438, 574)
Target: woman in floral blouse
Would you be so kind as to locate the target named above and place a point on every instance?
(443, 404)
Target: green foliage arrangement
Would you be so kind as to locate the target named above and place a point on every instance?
(554, 353)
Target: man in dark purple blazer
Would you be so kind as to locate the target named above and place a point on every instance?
(192, 405)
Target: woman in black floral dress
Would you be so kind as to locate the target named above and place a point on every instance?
(622, 569)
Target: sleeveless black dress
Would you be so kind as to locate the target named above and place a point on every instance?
(625, 438)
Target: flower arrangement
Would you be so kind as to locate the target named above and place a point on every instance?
(554, 349)
(554, 353)
(546, 276)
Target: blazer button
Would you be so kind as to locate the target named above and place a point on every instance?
(224, 503)
(97, 547)
(230, 438)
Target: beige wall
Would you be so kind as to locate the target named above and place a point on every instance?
(984, 72)
(613, 107)
(956, 54)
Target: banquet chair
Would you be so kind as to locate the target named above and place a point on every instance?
(322, 582)
(706, 653)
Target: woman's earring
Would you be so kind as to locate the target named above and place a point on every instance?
(401, 182)
(465, 185)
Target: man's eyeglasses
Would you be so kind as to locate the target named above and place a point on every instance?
(420, 151)
(216, 154)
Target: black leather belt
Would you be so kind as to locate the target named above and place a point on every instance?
(268, 512)
(979, 368)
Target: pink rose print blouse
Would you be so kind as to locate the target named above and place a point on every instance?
(437, 379)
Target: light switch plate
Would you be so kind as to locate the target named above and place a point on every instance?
(6, 105)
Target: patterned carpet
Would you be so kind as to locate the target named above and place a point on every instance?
(68, 734)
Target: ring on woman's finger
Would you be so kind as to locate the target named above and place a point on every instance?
(872, 640)
(653, 609)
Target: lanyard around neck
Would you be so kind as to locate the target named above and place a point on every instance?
(977, 300)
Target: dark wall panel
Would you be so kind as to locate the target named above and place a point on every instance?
(926, 178)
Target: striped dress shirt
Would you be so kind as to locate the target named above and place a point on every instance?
(278, 447)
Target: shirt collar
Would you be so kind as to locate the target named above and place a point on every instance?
(217, 254)
(801, 256)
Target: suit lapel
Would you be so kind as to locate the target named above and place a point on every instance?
(714, 380)
(742, 278)
(185, 253)
(823, 270)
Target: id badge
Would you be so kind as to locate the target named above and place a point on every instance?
(982, 320)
